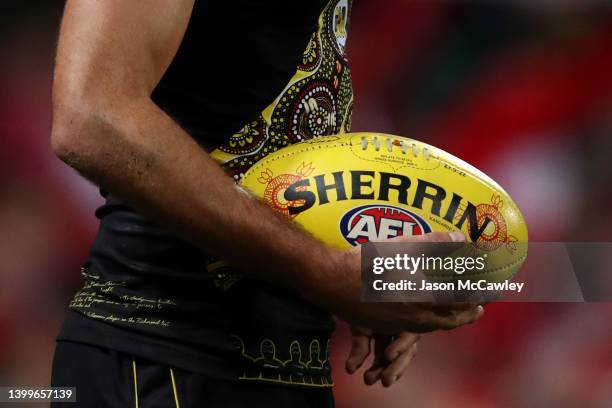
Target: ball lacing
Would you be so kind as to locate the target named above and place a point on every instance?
(389, 143)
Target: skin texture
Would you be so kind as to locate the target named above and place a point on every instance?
(111, 55)
(392, 355)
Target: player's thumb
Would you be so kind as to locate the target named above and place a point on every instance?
(448, 242)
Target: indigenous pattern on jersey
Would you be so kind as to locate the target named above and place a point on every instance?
(317, 101)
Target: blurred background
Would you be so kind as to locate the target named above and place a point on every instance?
(521, 89)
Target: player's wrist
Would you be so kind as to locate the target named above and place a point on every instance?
(327, 276)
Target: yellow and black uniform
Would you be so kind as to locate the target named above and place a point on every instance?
(250, 77)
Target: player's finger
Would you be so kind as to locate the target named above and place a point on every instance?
(401, 343)
(429, 320)
(456, 319)
(449, 307)
(372, 374)
(394, 372)
(455, 236)
(360, 350)
(447, 243)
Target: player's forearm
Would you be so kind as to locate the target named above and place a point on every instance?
(135, 151)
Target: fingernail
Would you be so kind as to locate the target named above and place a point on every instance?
(457, 236)
(479, 313)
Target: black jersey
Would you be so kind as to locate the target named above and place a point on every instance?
(249, 78)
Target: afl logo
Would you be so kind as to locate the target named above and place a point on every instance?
(378, 222)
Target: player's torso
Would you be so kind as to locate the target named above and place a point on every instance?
(249, 78)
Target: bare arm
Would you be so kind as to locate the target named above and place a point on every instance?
(111, 55)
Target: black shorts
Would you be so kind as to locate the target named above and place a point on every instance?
(106, 378)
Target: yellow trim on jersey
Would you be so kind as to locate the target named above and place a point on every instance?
(272, 380)
(135, 382)
(176, 400)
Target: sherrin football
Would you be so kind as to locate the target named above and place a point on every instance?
(357, 187)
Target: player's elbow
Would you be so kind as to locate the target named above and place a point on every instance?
(64, 135)
(75, 135)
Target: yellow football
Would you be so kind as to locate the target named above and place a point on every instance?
(357, 187)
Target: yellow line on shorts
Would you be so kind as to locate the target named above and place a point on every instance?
(176, 400)
(135, 382)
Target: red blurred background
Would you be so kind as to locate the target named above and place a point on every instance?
(520, 89)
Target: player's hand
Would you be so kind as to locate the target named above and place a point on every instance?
(392, 355)
(341, 294)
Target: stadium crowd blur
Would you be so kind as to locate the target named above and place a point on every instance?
(521, 89)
